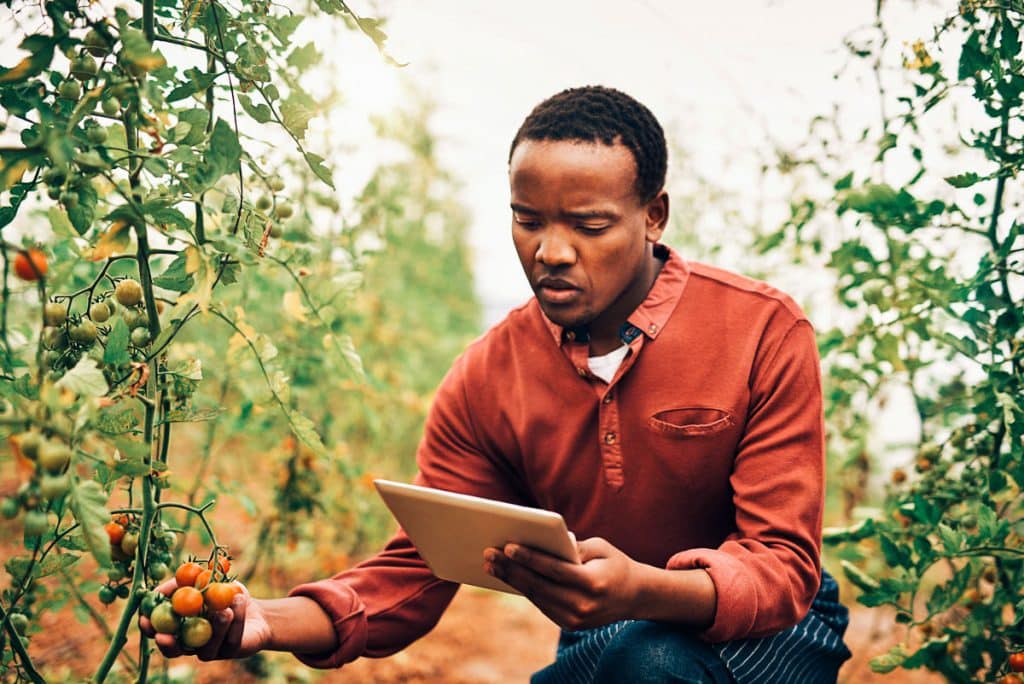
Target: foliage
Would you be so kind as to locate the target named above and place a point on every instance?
(148, 315)
(926, 253)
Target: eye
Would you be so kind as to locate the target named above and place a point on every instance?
(593, 227)
(526, 222)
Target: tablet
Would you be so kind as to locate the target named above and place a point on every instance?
(451, 531)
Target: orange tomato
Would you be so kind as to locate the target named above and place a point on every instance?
(203, 579)
(30, 265)
(186, 574)
(219, 595)
(187, 601)
(115, 531)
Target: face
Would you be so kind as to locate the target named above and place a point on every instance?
(584, 238)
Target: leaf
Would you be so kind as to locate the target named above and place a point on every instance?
(176, 276)
(304, 56)
(116, 351)
(888, 661)
(20, 566)
(83, 214)
(198, 81)
(258, 111)
(305, 430)
(192, 415)
(88, 505)
(117, 239)
(198, 119)
(316, 164)
(13, 166)
(845, 182)
(964, 180)
(163, 214)
(139, 52)
(85, 379)
(40, 50)
(951, 539)
(894, 553)
(945, 595)
(133, 458)
(222, 156)
(295, 116)
(116, 420)
(858, 577)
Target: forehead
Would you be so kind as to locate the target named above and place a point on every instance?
(540, 169)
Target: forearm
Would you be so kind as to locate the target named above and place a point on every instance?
(683, 596)
(297, 624)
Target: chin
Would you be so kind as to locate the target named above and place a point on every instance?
(565, 317)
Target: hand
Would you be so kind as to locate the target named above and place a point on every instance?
(602, 588)
(238, 631)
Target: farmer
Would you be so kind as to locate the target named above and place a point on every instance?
(670, 411)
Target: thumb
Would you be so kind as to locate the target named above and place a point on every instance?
(593, 548)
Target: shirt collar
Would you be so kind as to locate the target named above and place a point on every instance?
(653, 313)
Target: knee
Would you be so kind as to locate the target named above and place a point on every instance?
(645, 651)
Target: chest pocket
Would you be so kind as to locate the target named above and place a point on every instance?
(691, 422)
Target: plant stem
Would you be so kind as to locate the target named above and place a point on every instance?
(97, 619)
(148, 21)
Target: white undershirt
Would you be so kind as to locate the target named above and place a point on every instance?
(605, 366)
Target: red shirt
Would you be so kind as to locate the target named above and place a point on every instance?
(706, 450)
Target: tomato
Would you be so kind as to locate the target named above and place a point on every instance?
(54, 486)
(164, 619)
(1010, 679)
(899, 476)
(263, 203)
(97, 135)
(203, 579)
(110, 106)
(10, 508)
(135, 318)
(187, 601)
(54, 338)
(54, 456)
(276, 184)
(29, 443)
(69, 90)
(36, 524)
(84, 332)
(54, 313)
(122, 590)
(140, 337)
(158, 570)
(107, 594)
(95, 43)
(283, 211)
(30, 265)
(84, 67)
(128, 292)
(195, 632)
(275, 230)
(223, 563)
(99, 312)
(1017, 661)
(129, 543)
(186, 574)
(19, 621)
(115, 574)
(219, 595)
(150, 601)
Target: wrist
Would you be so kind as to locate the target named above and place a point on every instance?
(684, 596)
(297, 624)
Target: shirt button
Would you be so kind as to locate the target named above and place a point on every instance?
(609, 438)
(570, 335)
(582, 371)
(607, 398)
(653, 329)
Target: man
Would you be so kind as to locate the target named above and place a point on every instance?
(670, 411)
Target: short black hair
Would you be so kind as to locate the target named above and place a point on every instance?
(598, 113)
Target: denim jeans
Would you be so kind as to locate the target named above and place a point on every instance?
(642, 651)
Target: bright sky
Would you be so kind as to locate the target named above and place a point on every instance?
(718, 76)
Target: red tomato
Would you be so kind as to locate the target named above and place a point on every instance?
(30, 265)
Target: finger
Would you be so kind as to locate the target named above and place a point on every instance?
(220, 621)
(559, 570)
(168, 645)
(167, 588)
(233, 637)
(593, 548)
(146, 627)
(543, 592)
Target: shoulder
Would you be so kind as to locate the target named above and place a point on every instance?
(522, 328)
(711, 283)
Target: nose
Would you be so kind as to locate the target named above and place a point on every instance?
(555, 250)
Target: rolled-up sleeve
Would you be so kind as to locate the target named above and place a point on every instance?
(767, 573)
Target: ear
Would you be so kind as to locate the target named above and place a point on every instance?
(656, 216)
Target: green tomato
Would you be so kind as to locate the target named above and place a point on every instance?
(195, 632)
(275, 230)
(54, 486)
(55, 176)
(111, 106)
(95, 43)
(54, 338)
(150, 601)
(19, 621)
(164, 619)
(157, 571)
(84, 67)
(36, 524)
(84, 333)
(129, 543)
(69, 199)
(283, 210)
(97, 135)
(54, 313)
(276, 184)
(263, 203)
(69, 90)
(128, 292)
(135, 318)
(107, 595)
(140, 337)
(10, 508)
(29, 443)
(99, 312)
(115, 574)
(54, 456)
(122, 590)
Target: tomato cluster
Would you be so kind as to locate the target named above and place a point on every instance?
(50, 481)
(200, 591)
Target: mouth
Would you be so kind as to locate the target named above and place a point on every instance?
(557, 290)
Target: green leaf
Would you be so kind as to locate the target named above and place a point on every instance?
(139, 52)
(845, 182)
(198, 119)
(85, 379)
(895, 555)
(116, 420)
(951, 539)
(40, 48)
(198, 81)
(304, 57)
(296, 115)
(964, 180)
(945, 595)
(176, 276)
(222, 156)
(116, 351)
(163, 214)
(888, 661)
(858, 577)
(134, 457)
(316, 164)
(88, 505)
(258, 111)
(20, 566)
(305, 430)
(83, 214)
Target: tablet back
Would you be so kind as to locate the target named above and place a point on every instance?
(451, 531)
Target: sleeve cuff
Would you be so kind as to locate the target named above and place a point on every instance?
(346, 611)
(736, 598)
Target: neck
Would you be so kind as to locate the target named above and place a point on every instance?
(604, 330)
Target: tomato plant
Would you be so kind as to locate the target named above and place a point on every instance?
(924, 245)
